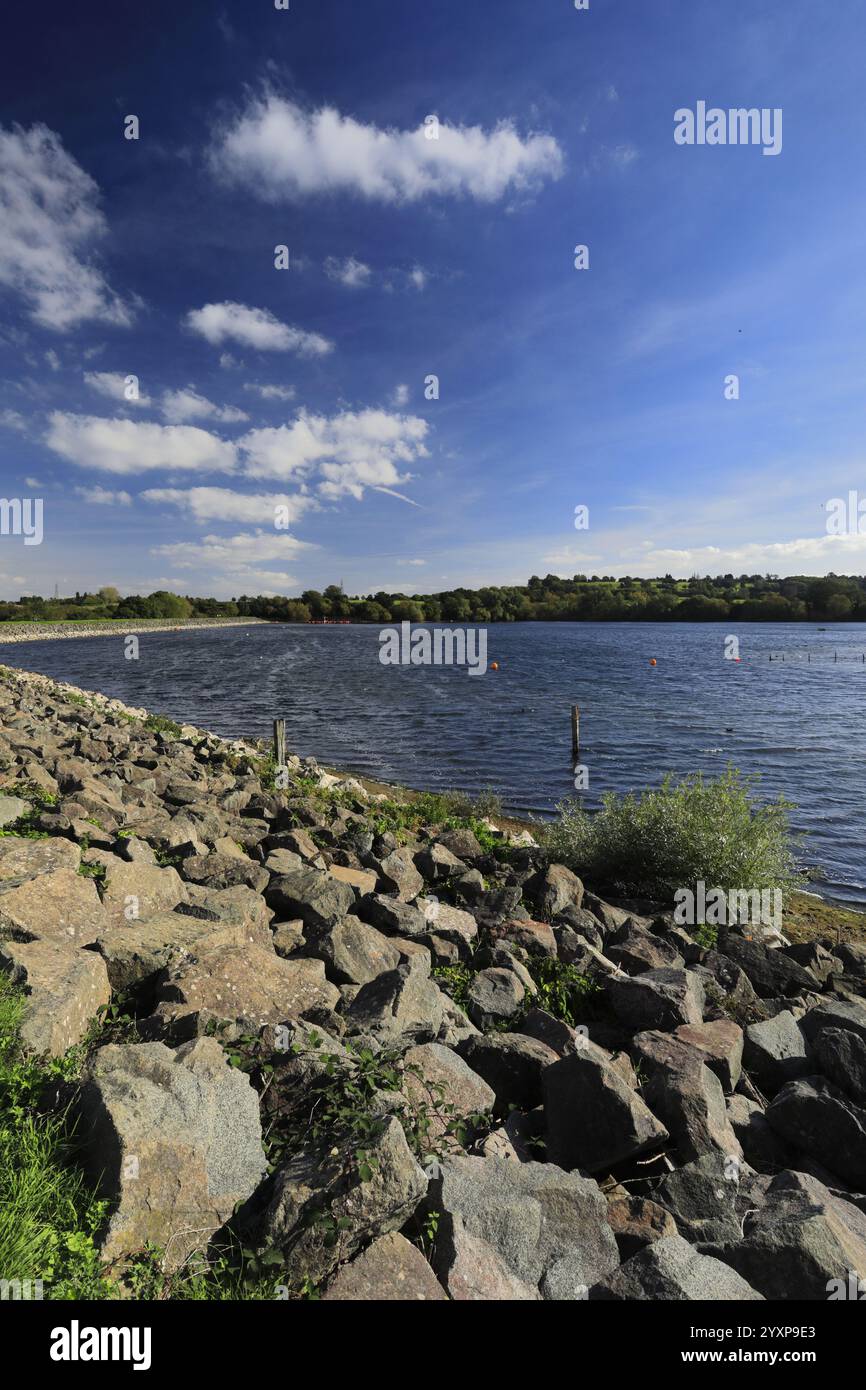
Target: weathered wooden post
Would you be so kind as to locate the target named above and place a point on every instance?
(280, 742)
(575, 734)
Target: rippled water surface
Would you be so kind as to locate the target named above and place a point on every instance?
(798, 722)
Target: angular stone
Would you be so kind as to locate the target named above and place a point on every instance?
(661, 999)
(636, 950)
(594, 1119)
(833, 1014)
(818, 1118)
(442, 1080)
(437, 864)
(511, 1064)
(12, 808)
(472, 1271)
(771, 972)
(841, 1055)
(353, 952)
(536, 938)
(58, 906)
(142, 890)
(711, 1196)
(672, 1270)
(637, 1222)
(245, 987)
(554, 890)
(390, 1270)
(226, 871)
(358, 1205)
(721, 1044)
(549, 1228)
(174, 1139)
(398, 875)
(776, 1052)
(317, 898)
(392, 916)
(494, 997)
(65, 989)
(802, 1239)
(362, 880)
(452, 923)
(135, 954)
(685, 1095)
(401, 1005)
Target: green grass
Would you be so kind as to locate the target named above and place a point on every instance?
(48, 1216)
(161, 724)
(715, 831)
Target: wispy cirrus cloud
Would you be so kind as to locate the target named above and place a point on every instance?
(279, 151)
(50, 224)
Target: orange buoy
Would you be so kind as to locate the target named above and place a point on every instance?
(653, 661)
(494, 665)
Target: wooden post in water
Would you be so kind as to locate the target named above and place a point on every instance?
(575, 734)
(280, 742)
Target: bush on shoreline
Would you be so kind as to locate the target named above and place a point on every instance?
(685, 832)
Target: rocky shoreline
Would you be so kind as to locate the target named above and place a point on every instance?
(110, 627)
(401, 1055)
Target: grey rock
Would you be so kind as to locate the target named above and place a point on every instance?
(841, 1055)
(173, 1138)
(511, 1064)
(549, 1228)
(317, 898)
(775, 1052)
(818, 1118)
(801, 1240)
(391, 1270)
(594, 1119)
(65, 988)
(494, 997)
(403, 1005)
(672, 1270)
(661, 999)
(360, 1207)
(354, 952)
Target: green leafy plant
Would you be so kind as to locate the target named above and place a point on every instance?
(715, 831)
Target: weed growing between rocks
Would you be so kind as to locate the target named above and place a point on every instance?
(682, 833)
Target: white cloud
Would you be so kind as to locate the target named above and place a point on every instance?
(223, 504)
(235, 562)
(178, 406)
(49, 222)
(400, 396)
(418, 277)
(53, 360)
(352, 450)
(355, 275)
(271, 393)
(114, 385)
(132, 446)
(278, 151)
(254, 328)
(13, 420)
(104, 497)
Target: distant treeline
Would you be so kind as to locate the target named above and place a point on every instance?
(727, 598)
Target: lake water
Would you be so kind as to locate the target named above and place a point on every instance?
(797, 722)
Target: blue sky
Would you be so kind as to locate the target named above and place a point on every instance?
(410, 258)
